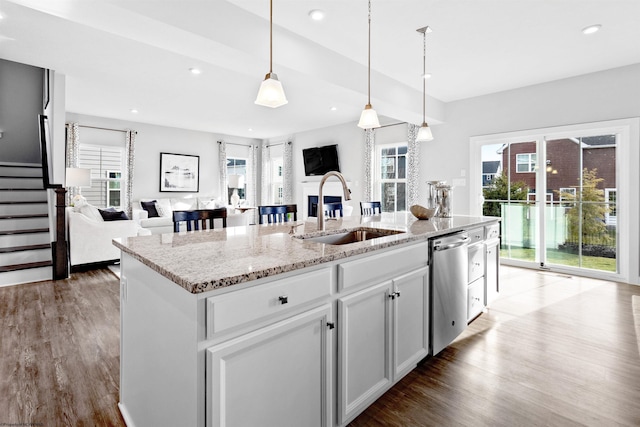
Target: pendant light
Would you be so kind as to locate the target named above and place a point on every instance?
(271, 93)
(369, 118)
(424, 134)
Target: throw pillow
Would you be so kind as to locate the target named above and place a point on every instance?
(91, 212)
(150, 207)
(111, 214)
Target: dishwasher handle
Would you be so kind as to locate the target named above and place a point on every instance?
(463, 241)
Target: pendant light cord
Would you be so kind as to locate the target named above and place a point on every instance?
(424, 78)
(369, 62)
(270, 36)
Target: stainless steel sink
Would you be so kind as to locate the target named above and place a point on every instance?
(357, 235)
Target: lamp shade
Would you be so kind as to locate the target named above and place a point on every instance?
(78, 177)
(235, 181)
(369, 118)
(271, 93)
(424, 134)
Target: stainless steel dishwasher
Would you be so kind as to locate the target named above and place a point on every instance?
(449, 279)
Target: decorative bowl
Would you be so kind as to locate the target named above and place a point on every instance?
(421, 212)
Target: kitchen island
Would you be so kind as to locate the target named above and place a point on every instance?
(256, 326)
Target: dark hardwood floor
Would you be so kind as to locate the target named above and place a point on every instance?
(553, 350)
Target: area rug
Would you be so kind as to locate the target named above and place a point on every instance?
(635, 308)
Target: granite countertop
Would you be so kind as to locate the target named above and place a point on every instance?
(201, 261)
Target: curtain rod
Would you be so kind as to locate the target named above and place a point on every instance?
(234, 143)
(277, 144)
(99, 128)
(393, 124)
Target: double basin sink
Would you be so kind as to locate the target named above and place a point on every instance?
(359, 234)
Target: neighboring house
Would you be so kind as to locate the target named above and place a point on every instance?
(563, 166)
(490, 170)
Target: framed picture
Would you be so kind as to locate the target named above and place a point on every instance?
(179, 172)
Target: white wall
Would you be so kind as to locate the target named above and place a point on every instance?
(350, 140)
(606, 95)
(152, 140)
(21, 99)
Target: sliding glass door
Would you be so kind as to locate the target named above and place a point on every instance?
(557, 197)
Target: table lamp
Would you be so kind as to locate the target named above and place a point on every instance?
(235, 182)
(78, 177)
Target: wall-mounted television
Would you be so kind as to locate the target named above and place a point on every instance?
(320, 160)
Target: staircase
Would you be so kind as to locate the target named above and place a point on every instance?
(25, 242)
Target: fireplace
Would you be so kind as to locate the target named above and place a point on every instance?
(331, 193)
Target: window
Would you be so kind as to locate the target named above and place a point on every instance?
(526, 162)
(114, 180)
(610, 196)
(277, 182)
(237, 166)
(567, 193)
(392, 177)
(107, 166)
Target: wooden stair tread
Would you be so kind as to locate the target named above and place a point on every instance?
(25, 248)
(22, 189)
(26, 166)
(25, 202)
(25, 266)
(24, 216)
(26, 231)
(20, 177)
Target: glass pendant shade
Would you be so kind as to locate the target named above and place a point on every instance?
(271, 93)
(424, 134)
(368, 118)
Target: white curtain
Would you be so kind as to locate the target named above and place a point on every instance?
(287, 173)
(413, 168)
(265, 198)
(130, 142)
(72, 148)
(222, 166)
(369, 159)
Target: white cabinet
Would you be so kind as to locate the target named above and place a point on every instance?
(279, 375)
(383, 333)
(410, 321)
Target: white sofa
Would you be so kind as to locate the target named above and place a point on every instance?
(90, 237)
(166, 206)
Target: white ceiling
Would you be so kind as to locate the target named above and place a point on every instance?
(124, 54)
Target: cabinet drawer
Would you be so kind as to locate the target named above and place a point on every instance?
(476, 262)
(475, 294)
(492, 231)
(247, 305)
(476, 235)
(375, 268)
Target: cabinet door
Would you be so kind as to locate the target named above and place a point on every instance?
(492, 266)
(279, 375)
(364, 368)
(410, 321)
(476, 262)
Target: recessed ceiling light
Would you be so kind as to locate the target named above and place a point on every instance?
(426, 76)
(195, 71)
(333, 108)
(591, 29)
(250, 130)
(134, 111)
(316, 14)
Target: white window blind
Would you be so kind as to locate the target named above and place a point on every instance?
(107, 169)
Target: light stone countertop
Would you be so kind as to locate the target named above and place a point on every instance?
(201, 261)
